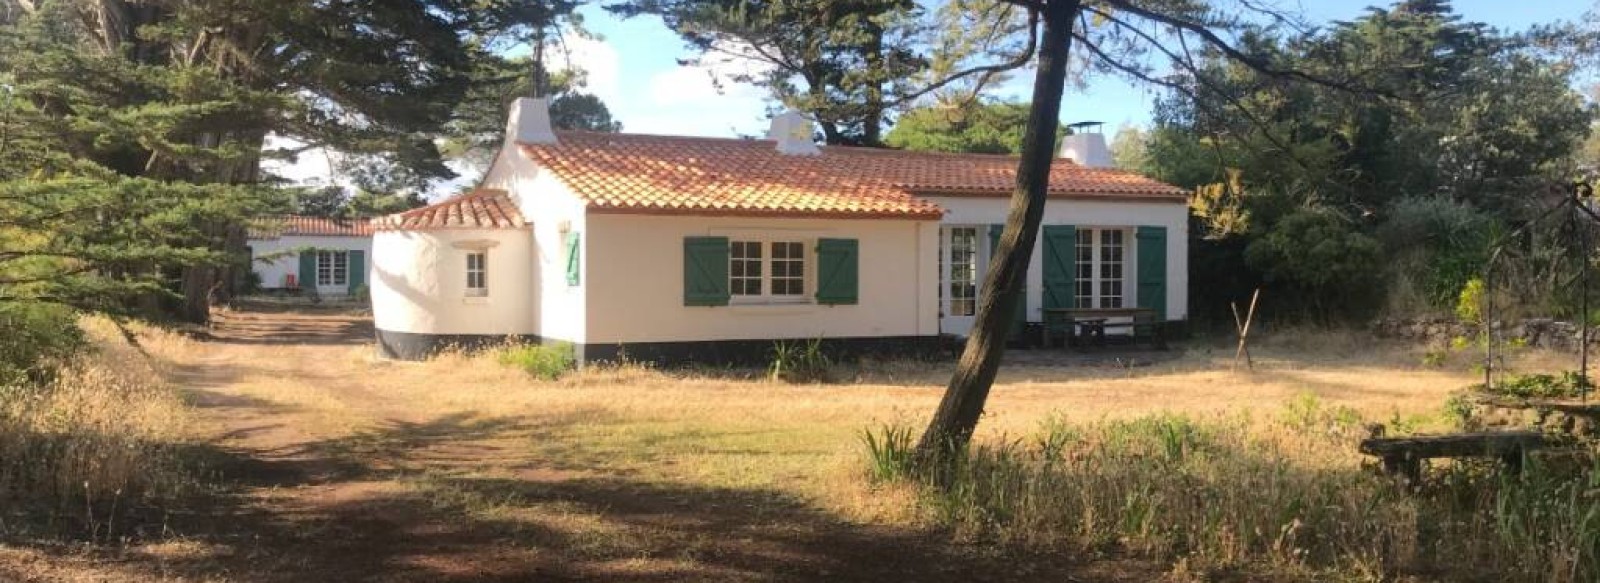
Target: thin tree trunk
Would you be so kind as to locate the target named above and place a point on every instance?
(958, 412)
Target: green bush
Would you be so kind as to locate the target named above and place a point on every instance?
(545, 361)
(37, 337)
(1319, 252)
(1448, 240)
(1567, 385)
(800, 362)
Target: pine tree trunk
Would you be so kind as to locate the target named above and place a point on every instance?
(958, 412)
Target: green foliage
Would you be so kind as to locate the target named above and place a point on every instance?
(978, 127)
(38, 337)
(800, 362)
(544, 361)
(1473, 122)
(891, 452)
(1318, 252)
(1567, 385)
(1470, 302)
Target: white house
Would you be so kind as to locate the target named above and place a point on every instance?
(291, 253)
(664, 248)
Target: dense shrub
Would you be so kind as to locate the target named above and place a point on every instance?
(1444, 245)
(1319, 253)
(35, 339)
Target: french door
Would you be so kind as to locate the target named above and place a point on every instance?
(960, 274)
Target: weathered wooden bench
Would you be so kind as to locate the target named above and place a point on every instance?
(1403, 456)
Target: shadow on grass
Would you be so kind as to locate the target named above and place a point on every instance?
(407, 502)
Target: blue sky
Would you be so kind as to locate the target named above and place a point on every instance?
(634, 68)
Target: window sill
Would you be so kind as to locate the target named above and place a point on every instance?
(769, 301)
(475, 300)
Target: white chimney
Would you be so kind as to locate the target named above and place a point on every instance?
(1087, 146)
(794, 134)
(530, 121)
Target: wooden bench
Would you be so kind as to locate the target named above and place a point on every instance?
(1079, 324)
(1402, 456)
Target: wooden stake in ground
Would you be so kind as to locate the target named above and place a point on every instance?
(1244, 331)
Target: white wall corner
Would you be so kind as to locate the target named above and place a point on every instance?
(529, 122)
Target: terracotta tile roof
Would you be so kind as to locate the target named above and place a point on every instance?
(483, 208)
(274, 227)
(643, 173)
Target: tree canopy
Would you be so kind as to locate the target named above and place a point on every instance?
(984, 127)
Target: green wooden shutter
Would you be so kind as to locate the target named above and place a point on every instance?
(705, 271)
(1153, 269)
(358, 270)
(308, 269)
(1060, 266)
(572, 258)
(838, 271)
(1022, 299)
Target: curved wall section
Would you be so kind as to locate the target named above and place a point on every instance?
(420, 300)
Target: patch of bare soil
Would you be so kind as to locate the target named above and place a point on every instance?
(411, 496)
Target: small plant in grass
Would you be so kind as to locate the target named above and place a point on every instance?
(545, 361)
(890, 452)
(800, 362)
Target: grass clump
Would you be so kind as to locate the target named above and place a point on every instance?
(544, 361)
(103, 437)
(800, 362)
(1280, 498)
(891, 452)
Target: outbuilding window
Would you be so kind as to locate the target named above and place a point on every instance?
(1101, 267)
(767, 269)
(333, 268)
(477, 273)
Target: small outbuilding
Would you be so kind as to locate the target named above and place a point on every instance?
(673, 249)
(306, 255)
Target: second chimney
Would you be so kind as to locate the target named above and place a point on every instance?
(1086, 145)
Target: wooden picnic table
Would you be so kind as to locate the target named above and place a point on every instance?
(1091, 324)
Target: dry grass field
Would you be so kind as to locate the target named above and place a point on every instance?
(320, 461)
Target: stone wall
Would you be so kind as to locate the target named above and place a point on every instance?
(1534, 332)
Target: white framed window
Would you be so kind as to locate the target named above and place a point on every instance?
(767, 270)
(1101, 256)
(959, 259)
(477, 273)
(333, 268)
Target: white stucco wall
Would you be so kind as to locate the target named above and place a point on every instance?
(1089, 213)
(419, 282)
(635, 281)
(274, 273)
(552, 210)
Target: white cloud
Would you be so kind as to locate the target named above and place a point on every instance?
(599, 62)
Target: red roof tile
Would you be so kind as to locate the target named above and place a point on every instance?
(274, 227)
(667, 174)
(483, 208)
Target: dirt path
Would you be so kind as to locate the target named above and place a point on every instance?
(395, 492)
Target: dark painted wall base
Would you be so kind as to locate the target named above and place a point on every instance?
(759, 352)
(414, 346)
